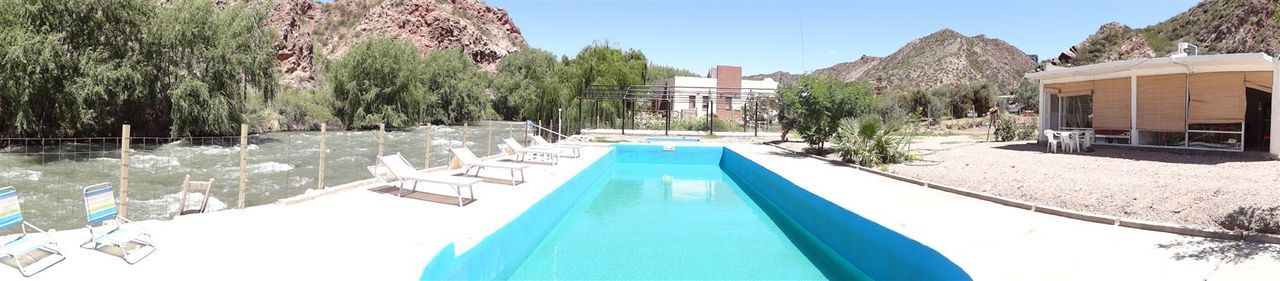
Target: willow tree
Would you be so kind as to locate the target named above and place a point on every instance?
(599, 65)
(457, 85)
(207, 60)
(524, 80)
(380, 80)
(83, 67)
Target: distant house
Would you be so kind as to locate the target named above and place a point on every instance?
(1208, 102)
(723, 92)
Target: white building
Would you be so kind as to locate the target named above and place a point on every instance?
(722, 92)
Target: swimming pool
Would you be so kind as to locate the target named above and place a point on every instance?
(699, 212)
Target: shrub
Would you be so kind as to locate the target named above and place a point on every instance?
(380, 81)
(926, 104)
(1009, 129)
(871, 142)
(1256, 219)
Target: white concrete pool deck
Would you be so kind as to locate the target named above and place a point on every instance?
(996, 242)
(362, 235)
(346, 235)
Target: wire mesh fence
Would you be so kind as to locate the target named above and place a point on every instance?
(50, 172)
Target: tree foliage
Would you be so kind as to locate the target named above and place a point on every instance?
(380, 81)
(523, 79)
(387, 81)
(83, 67)
(817, 104)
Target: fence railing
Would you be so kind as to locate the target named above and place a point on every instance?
(249, 168)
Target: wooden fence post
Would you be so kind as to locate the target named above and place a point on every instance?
(382, 134)
(464, 134)
(244, 161)
(488, 150)
(426, 162)
(124, 171)
(320, 166)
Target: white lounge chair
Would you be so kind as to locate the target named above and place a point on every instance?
(522, 153)
(540, 142)
(22, 246)
(108, 229)
(470, 161)
(395, 169)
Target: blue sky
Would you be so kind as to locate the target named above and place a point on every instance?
(764, 36)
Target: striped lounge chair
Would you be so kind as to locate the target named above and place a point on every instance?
(108, 229)
(20, 249)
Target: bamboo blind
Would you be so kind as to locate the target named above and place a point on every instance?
(1162, 103)
(1111, 104)
(1258, 79)
(1216, 98)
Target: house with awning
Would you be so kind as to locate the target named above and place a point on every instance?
(1207, 102)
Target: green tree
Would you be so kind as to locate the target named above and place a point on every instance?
(457, 85)
(207, 60)
(655, 73)
(522, 80)
(1028, 95)
(822, 102)
(84, 67)
(599, 65)
(381, 81)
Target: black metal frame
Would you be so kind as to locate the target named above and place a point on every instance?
(662, 100)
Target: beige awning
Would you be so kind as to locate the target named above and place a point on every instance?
(1216, 98)
(1069, 89)
(1111, 104)
(1162, 103)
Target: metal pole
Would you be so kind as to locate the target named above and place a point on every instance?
(559, 123)
(579, 124)
(124, 170)
(755, 116)
(320, 166)
(623, 114)
(426, 158)
(666, 131)
(244, 161)
(711, 116)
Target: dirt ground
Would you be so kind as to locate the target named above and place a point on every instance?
(1164, 185)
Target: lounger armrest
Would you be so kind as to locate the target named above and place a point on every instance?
(27, 224)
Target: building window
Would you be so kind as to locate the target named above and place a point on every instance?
(728, 101)
(1076, 112)
(693, 102)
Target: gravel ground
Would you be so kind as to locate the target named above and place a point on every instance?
(1175, 186)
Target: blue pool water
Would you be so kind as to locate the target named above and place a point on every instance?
(664, 221)
(699, 212)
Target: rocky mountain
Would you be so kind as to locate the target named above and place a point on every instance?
(308, 29)
(1216, 26)
(781, 76)
(943, 58)
(850, 71)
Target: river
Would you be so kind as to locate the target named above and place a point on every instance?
(49, 178)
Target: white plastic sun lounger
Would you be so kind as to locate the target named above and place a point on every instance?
(574, 150)
(470, 161)
(22, 247)
(394, 168)
(523, 153)
(108, 229)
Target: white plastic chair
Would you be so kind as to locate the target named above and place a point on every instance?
(1070, 141)
(1053, 140)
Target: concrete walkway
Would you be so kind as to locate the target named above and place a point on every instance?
(347, 235)
(995, 242)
